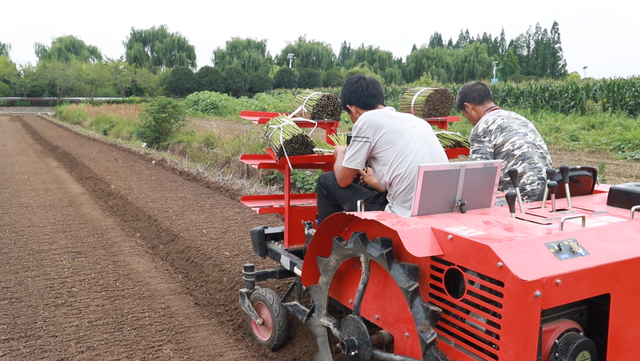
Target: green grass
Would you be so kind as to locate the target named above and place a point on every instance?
(217, 146)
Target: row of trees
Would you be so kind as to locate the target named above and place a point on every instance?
(157, 61)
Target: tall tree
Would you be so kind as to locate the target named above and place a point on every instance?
(308, 54)
(8, 75)
(463, 39)
(59, 76)
(30, 82)
(90, 77)
(149, 82)
(438, 63)
(5, 49)
(472, 63)
(510, 66)
(557, 64)
(377, 59)
(502, 44)
(157, 47)
(436, 40)
(345, 53)
(250, 55)
(66, 49)
(122, 74)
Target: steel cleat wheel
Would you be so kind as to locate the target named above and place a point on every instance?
(362, 266)
(272, 330)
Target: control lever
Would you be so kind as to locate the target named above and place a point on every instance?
(462, 205)
(550, 174)
(511, 202)
(553, 186)
(513, 174)
(564, 172)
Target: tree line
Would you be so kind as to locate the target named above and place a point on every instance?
(159, 62)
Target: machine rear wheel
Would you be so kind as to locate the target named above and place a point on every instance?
(274, 329)
(361, 266)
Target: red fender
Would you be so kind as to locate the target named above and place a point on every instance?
(412, 238)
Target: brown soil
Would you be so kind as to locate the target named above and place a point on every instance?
(106, 254)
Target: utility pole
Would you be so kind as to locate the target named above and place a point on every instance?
(495, 79)
(290, 57)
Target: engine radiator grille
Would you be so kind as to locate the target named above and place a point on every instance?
(471, 305)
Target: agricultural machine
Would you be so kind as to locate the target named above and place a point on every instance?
(484, 278)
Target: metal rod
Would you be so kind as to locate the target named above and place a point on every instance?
(584, 220)
(633, 210)
(566, 190)
(362, 286)
(520, 203)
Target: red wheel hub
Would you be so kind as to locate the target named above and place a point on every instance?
(263, 332)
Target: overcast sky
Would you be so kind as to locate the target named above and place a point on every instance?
(602, 35)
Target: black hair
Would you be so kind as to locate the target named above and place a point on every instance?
(362, 91)
(476, 93)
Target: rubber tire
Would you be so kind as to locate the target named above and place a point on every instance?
(274, 333)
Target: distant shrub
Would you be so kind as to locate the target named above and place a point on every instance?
(332, 78)
(260, 83)
(211, 79)
(285, 78)
(236, 81)
(310, 79)
(159, 120)
(181, 82)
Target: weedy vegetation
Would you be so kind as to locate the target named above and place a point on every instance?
(582, 115)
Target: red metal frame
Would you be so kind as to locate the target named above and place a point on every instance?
(443, 122)
(329, 126)
(294, 208)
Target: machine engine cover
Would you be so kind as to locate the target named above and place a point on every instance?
(624, 195)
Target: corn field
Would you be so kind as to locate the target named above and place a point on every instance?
(618, 95)
(576, 96)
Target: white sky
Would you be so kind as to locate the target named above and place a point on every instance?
(604, 36)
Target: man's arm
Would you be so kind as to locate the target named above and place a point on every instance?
(344, 175)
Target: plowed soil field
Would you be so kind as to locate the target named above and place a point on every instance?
(108, 255)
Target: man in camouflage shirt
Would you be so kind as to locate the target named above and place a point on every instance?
(501, 134)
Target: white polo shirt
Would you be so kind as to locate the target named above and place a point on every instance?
(395, 144)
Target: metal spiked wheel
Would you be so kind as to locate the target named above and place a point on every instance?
(355, 343)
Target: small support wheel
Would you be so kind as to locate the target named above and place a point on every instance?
(273, 331)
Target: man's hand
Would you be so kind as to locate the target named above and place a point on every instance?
(370, 179)
(339, 151)
(344, 176)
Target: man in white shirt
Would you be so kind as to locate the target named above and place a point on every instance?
(385, 151)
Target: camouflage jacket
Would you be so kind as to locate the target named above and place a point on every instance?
(506, 135)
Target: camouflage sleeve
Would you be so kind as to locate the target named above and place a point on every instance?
(481, 143)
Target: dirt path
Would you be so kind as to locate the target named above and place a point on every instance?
(106, 255)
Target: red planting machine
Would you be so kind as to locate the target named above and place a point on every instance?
(472, 276)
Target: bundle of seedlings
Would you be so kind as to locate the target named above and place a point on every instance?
(318, 105)
(452, 139)
(427, 102)
(285, 138)
(337, 139)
